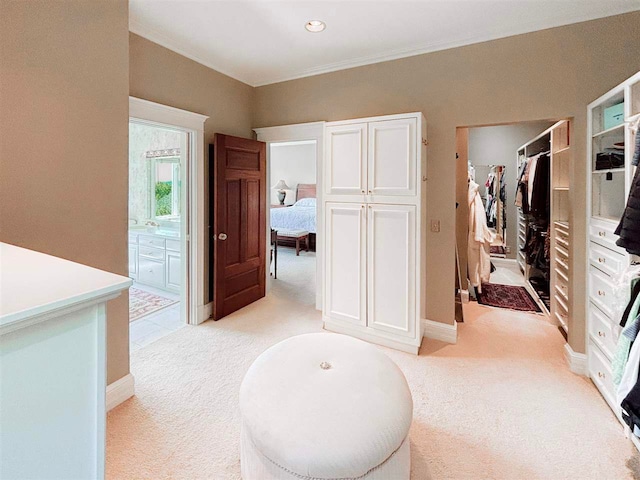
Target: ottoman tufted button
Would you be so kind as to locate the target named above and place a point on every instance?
(298, 424)
(325, 365)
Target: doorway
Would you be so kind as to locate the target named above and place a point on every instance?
(489, 162)
(158, 156)
(293, 217)
(301, 275)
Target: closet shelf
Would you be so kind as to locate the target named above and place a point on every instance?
(563, 242)
(562, 264)
(610, 170)
(562, 275)
(562, 251)
(609, 130)
(561, 189)
(562, 293)
(561, 320)
(561, 224)
(560, 302)
(565, 149)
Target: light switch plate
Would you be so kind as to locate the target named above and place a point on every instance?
(435, 226)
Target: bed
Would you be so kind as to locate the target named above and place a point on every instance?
(301, 215)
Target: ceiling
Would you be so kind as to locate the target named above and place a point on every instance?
(264, 41)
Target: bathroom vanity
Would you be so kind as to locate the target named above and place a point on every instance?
(155, 258)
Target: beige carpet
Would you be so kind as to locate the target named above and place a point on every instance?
(500, 404)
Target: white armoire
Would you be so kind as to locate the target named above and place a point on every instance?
(374, 247)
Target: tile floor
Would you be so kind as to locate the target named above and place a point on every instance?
(156, 325)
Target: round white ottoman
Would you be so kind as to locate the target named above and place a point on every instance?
(325, 406)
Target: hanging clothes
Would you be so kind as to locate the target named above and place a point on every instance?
(629, 227)
(479, 240)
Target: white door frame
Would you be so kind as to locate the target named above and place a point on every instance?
(193, 231)
(296, 133)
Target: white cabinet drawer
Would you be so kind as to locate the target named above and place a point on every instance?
(145, 241)
(133, 238)
(609, 261)
(601, 331)
(601, 291)
(151, 272)
(151, 252)
(173, 245)
(601, 232)
(600, 373)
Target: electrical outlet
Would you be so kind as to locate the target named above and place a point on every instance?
(507, 249)
(435, 226)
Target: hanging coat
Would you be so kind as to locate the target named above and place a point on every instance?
(479, 240)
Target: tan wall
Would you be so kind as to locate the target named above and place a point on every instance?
(542, 75)
(63, 139)
(162, 76)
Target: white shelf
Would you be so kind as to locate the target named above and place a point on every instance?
(562, 275)
(608, 130)
(610, 170)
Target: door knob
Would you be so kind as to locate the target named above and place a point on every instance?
(222, 236)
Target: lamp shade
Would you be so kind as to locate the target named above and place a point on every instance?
(281, 185)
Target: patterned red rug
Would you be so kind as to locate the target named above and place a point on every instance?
(507, 296)
(143, 303)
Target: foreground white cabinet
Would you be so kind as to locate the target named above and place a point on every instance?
(52, 365)
(374, 232)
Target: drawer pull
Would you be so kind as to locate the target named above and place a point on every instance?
(601, 375)
(602, 234)
(601, 334)
(601, 293)
(601, 260)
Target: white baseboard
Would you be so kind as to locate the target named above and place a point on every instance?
(120, 390)
(577, 361)
(204, 312)
(440, 331)
(464, 296)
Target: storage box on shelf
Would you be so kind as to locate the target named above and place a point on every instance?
(608, 187)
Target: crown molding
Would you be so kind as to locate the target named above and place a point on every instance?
(162, 39)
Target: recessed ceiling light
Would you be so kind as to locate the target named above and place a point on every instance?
(315, 26)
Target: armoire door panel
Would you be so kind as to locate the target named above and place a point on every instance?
(392, 157)
(346, 169)
(391, 255)
(345, 275)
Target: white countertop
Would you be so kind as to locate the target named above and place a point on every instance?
(32, 284)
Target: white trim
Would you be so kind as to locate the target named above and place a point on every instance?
(367, 336)
(159, 37)
(440, 331)
(205, 312)
(296, 134)
(577, 361)
(464, 296)
(120, 391)
(193, 230)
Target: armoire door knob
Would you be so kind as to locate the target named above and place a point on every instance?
(222, 236)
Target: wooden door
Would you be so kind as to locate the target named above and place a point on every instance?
(239, 223)
(392, 157)
(391, 260)
(346, 160)
(345, 264)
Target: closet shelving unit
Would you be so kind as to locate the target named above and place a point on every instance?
(555, 140)
(608, 191)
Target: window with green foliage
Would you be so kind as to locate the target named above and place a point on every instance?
(165, 180)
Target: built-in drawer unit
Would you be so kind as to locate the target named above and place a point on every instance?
(151, 272)
(607, 260)
(600, 373)
(149, 241)
(601, 232)
(173, 245)
(151, 252)
(601, 331)
(601, 291)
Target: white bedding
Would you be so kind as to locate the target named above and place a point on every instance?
(300, 216)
